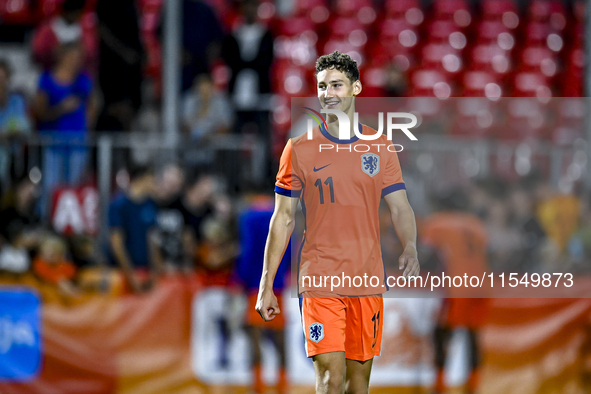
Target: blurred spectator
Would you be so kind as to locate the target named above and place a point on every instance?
(396, 83)
(132, 216)
(579, 245)
(460, 240)
(120, 68)
(253, 225)
(533, 235)
(14, 120)
(205, 110)
(63, 106)
(62, 29)
(559, 216)
(20, 227)
(198, 203)
(217, 252)
(202, 35)
(171, 241)
(52, 266)
(504, 240)
(248, 51)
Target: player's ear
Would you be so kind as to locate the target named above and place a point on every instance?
(357, 87)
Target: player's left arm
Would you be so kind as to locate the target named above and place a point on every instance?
(403, 218)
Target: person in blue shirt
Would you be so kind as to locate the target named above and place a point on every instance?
(253, 224)
(14, 121)
(132, 218)
(63, 106)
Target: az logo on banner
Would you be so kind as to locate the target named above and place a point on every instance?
(20, 334)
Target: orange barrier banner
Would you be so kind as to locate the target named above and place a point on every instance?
(153, 343)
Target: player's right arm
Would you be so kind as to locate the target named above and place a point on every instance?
(280, 229)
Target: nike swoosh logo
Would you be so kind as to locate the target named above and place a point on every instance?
(318, 169)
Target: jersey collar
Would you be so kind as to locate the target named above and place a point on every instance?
(339, 141)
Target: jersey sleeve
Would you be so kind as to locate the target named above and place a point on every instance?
(287, 184)
(392, 175)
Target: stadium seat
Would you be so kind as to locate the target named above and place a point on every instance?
(291, 80)
(571, 120)
(397, 36)
(457, 11)
(531, 84)
(548, 11)
(539, 59)
(488, 31)
(17, 12)
(573, 77)
(526, 119)
(442, 57)
(500, 10)
(481, 84)
(491, 58)
(474, 117)
(409, 10)
(441, 30)
(429, 83)
(300, 48)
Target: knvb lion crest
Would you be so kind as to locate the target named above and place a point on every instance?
(370, 163)
(316, 332)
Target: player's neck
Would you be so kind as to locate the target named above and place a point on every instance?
(333, 124)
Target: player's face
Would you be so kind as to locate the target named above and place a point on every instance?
(335, 89)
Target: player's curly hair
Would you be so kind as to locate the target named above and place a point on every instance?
(338, 61)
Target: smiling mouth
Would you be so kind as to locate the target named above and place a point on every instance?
(331, 102)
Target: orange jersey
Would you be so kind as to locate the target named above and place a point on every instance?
(340, 184)
(460, 239)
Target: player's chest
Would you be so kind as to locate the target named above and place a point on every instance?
(343, 171)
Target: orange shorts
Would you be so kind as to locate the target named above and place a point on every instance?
(466, 312)
(352, 325)
(253, 318)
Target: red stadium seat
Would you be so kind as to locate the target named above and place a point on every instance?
(500, 10)
(343, 26)
(397, 36)
(531, 84)
(348, 45)
(490, 31)
(536, 33)
(474, 117)
(440, 30)
(295, 25)
(430, 83)
(17, 12)
(292, 80)
(573, 79)
(299, 49)
(571, 121)
(410, 10)
(548, 11)
(539, 59)
(526, 119)
(442, 57)
(481, 84)
(457, 11)
(491, 58)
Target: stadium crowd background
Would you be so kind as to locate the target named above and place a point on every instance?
(73, 70)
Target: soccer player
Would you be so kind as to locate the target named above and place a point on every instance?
(458, 239)
(340, 192)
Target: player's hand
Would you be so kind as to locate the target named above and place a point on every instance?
(267, 305)
(409, 261)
